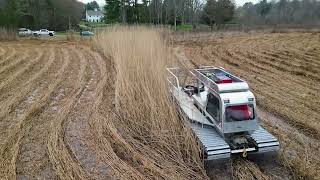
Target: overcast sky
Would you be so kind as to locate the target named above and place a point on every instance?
(238, 2)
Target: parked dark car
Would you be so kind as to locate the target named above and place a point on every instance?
(86, 33)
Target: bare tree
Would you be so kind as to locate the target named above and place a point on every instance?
(195, 7)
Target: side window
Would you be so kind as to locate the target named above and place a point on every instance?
(213, 107)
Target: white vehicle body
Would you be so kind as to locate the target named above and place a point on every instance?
(43, 32)
(24, 32)
(222, 112)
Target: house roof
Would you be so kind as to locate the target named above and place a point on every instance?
(94, 13)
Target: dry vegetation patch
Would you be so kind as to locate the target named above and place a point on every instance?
(150, 136)
(7, 34)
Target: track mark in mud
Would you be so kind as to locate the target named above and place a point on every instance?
(78, 133)
(11, 144)
(296, 147)
(62, 159)
(2, 51)
(56, 95)
(77, 123)
(9, 67)
(33, 84)
(33, 161)
(18, 73)
(10, 53)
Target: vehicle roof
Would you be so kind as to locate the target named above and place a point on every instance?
(211, 77)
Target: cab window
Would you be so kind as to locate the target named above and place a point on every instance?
(240, 113)
(213, 107)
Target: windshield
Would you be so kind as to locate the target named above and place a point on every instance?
(239, 113)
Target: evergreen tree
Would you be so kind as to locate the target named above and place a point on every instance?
(92, 5)
(218, 12)
(9, 15)
(112, 11)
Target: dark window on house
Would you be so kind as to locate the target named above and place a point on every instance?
(213, 107)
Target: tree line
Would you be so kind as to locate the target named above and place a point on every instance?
(36, 14)
(303, 12)
(153, 11)
(212, 12)
(63, 14)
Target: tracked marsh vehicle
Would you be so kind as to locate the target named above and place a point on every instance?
(221, 111)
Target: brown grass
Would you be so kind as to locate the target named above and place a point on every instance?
(7, 34)
(156, 142)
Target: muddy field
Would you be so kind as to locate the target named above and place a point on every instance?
(57, 118)
(283, 71)
(48, 92)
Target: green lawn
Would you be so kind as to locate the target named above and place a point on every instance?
(61, 33)
(184, 27)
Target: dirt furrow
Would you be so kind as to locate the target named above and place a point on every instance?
(32, 86)
(274, 68)
(298, 151)
(2, 51)
(273, 80)
(10, 53)
(10, 146)
(10, 113)
(39, 59)
(289, 60)
(301, 55)
(64, 163)
(78, 133)
(269, 76)
(33, 160)
(20, 60)
(18, 73)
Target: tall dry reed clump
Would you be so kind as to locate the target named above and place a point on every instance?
(7, 34)
(160, 145)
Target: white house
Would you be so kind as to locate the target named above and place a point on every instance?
(94, 16)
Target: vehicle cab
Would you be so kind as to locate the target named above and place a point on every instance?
(226, 101)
